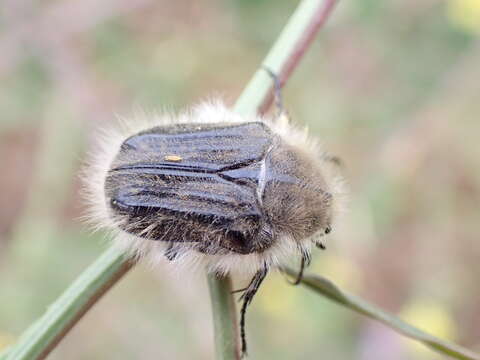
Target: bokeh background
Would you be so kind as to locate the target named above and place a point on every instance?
(392, 87)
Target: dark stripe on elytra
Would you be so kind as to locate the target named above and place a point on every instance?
(210, 215)
(192, 196)
(137, 168)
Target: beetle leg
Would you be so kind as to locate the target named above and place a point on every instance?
(304, 262)
(247, 297)
(277, 94)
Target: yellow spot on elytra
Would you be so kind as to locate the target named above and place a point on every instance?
(173, 158)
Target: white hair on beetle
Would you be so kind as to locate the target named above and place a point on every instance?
(213, 111)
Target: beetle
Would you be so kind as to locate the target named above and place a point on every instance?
(235, 194)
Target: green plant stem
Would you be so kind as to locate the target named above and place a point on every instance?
(63, 314)
(224, 318)
(328, 289)
(285, 54)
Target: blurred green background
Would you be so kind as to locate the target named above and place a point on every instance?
(392, 87)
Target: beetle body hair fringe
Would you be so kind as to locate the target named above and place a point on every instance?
(100, 215)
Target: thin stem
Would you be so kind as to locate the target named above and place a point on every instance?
(328, 289)
(43, 335)
(224, 318)
(285, 54)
